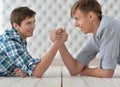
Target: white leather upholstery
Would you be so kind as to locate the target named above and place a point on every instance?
(52, 14)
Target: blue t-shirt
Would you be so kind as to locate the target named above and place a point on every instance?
(106, 42)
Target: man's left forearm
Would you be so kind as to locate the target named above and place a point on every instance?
(97, 72)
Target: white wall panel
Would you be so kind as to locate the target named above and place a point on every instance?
(52, 14)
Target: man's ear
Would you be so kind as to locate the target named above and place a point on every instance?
(91, 15)
(16, 26)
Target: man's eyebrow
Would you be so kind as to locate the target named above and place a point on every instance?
(31, 21)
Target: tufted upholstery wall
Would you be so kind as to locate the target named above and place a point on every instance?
(52, 14)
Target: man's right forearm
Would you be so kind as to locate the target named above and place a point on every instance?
(45, 61)
(73, 66)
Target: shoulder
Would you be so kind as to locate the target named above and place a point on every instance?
(108, 26)
(9, 36)
(3, 38)
(6, 36)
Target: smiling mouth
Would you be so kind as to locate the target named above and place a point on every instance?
(31, 32)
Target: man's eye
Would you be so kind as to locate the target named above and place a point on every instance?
(29, 23)
(76, 19)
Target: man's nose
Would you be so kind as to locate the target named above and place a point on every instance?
(33, 26)
(76, 24)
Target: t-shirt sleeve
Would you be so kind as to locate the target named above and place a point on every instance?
(87, 53)
(109, 49)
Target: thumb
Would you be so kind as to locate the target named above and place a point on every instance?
(64, 30)
(59, 31)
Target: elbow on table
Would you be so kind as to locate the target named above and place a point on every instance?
(74, 73)
(36, 75)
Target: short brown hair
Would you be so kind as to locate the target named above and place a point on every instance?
(86, 6)
(19, 14)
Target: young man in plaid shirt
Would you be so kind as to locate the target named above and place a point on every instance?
(14, 57)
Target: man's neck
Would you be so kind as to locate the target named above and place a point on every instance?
(96, 26)
(23, 37)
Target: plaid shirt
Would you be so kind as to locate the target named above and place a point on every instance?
(13, 54)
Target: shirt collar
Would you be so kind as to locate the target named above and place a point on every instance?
(14, 34)
(103, 24)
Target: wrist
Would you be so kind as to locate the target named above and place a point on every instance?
(62, 46)
(56, 45)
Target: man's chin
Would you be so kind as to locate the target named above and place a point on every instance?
(30, 35)
(85, 32)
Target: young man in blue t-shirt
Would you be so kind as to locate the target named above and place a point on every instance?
(105, 40)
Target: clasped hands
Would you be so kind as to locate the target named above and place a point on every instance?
(59, 36)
